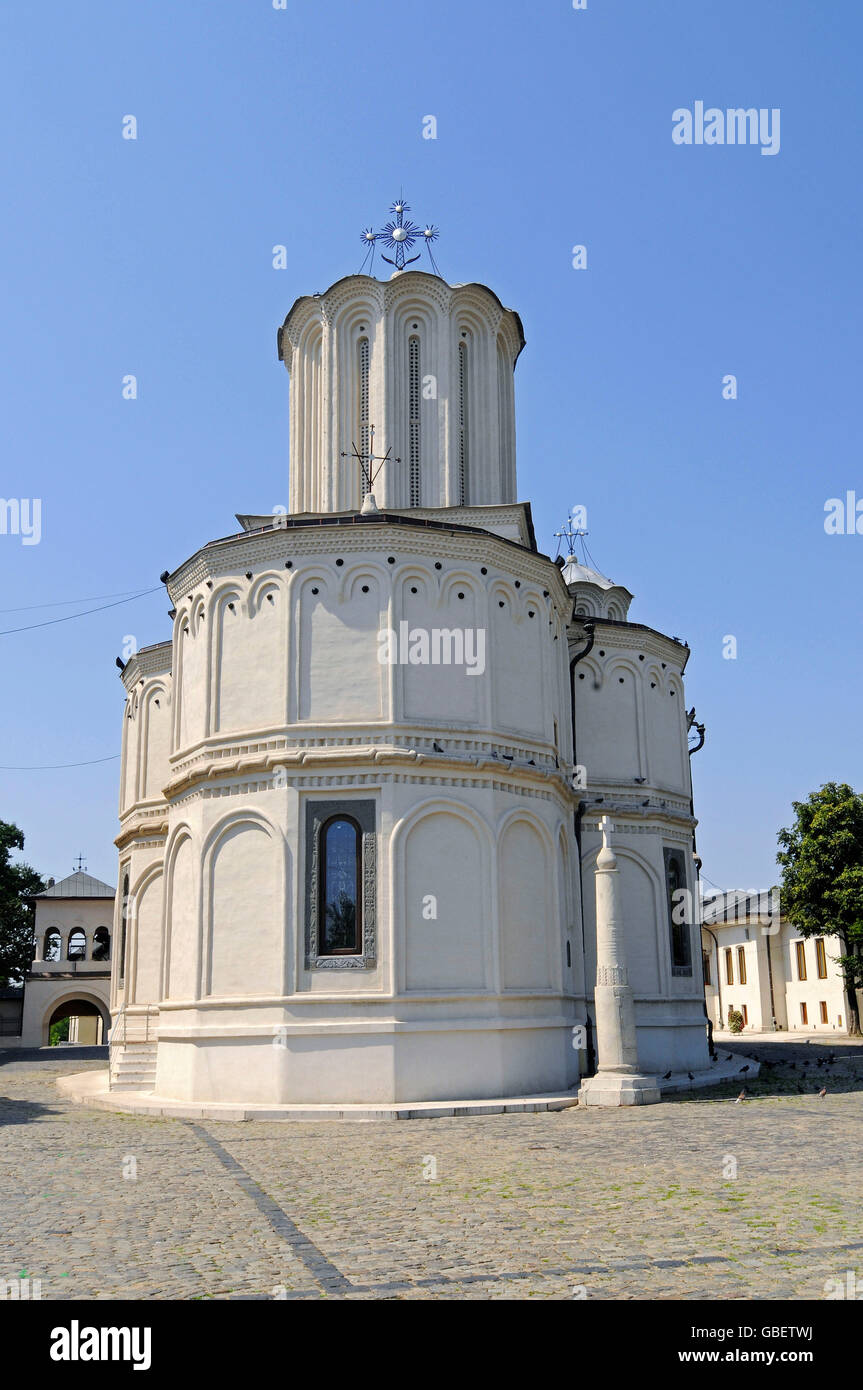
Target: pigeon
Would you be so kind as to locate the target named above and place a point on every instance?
(822, 1093)
(741, 1097)
(691, 1077)
(730, 1057)
(437, 748)
(714, 1059)
(746, 1068)
(666, 1075)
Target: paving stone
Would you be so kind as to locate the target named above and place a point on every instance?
(630, 1204)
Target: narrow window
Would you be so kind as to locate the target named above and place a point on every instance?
(124, 919)
(820, 959)
(677, 896)
(804, 1017)
(729, 966)
(801, 960)
(463, 426)
(52, 945)
(705, 959)
(745, 1012)
(823, 1007)
(363, 421)
(339, 898)
(414, 441)
(741, 964)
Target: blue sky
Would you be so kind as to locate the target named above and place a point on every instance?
(259, 127)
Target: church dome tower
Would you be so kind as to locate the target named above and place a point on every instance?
(423, 367)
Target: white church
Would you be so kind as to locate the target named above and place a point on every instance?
(360, 855)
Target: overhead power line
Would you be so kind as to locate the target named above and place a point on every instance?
(52, 767)
(70, 602)
(50, 622)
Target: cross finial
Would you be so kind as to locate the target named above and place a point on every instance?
(606, 826)
(399, 235)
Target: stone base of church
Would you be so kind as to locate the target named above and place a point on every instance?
(91, 1089)
(204, 1055)
(618, 1088)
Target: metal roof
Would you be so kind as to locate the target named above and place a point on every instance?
(79, 885)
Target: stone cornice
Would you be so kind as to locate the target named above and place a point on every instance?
(341, 534)
(388, 758)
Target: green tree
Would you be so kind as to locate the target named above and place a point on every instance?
(17, 883)
(822, 877)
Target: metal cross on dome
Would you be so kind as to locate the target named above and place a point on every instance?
(399, 235)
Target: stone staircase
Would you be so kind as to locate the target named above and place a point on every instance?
(133, 1044)
(133, 1067)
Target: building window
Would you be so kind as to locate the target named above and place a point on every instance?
(414, 439)
(823, 1007)
(341, 885)
(363, 421)
(799, 947)
(820, 958)
(101, 944)
(804, 1016)
(53, 945)
(463, 426)
(729, 966)
(675, 882)
(77, 948)
(340, 909)
(705, 960)
(745, 1013)
(124, 923)
(741, 965)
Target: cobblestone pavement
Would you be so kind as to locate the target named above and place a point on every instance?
(626, 1204)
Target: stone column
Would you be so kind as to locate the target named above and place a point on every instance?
(618, 1080)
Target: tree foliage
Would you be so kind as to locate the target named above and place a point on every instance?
(822, 871)
(17, 883)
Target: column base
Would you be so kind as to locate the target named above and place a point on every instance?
(619, 1088)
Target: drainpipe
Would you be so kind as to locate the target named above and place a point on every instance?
(590, 629)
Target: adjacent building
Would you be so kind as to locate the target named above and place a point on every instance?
(758, 964)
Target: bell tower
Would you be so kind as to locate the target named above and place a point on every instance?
(424, 365)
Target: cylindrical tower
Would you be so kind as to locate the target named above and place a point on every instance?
(428, 366)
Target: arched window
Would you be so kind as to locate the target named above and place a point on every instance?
(101, 944)
(463, 426)
(77, 949)
(679, 913)
(124, 916)
(414, 442)
(339, 896)
(363, 421)
(52, 945)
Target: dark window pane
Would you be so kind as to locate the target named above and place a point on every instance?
(339, 926)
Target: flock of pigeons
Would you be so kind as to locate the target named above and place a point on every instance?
(828, 1061)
